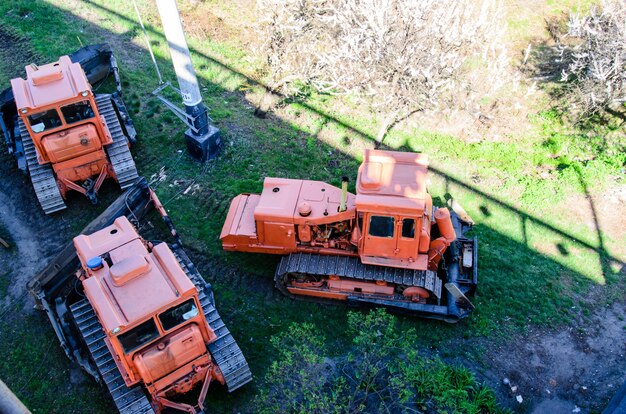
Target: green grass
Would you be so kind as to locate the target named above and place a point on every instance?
(536, 266)
(5, 282)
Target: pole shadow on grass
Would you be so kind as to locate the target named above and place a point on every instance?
(527, 285)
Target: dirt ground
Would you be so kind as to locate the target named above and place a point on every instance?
(35, 238)
(574, 369)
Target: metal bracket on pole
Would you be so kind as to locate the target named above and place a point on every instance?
(187, 119)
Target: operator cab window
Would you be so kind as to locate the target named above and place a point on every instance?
(408, 228)
(42, 121)
(77, 112)
(381, 226)
(178, 314)
(138, 336)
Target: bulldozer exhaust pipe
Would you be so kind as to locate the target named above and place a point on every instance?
(344, 194)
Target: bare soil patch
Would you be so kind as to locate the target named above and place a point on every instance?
(575, 368)
(15, 53)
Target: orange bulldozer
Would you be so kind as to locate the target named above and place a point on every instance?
(64, 135)
(385, 246)
(137, 315)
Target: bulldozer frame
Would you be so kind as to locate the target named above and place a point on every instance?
(99, 64)
(56, 292)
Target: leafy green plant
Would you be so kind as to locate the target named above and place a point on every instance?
(300, 380)
(381, 372)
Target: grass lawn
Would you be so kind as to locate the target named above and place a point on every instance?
(548, 254)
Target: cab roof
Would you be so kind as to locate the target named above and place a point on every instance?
(133, 284)
(50, 83)
(391, 179)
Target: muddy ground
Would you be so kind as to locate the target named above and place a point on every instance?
(573, 369)
(32, 241)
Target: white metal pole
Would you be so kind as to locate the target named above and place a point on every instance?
(9, 403)
(203, 140)
(173, 29)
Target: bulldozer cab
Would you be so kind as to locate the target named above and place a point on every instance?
(137, 337)
(66, 115)
(394, 209)
(57, 106)
(390, 233)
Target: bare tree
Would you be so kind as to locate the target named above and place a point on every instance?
(596, 67)
(400, 56)
(288, 35)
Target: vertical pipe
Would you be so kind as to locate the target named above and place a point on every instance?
(344, 194)
(454, 312)
(9, 403)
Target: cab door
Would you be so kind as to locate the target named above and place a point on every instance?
(380, 235)
(406, 241)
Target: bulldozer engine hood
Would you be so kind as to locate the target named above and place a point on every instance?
(129, 284)
(170, 353)
(72, 143)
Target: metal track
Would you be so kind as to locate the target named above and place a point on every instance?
(128, 400)
(118, 152)
(224, 349)
(351, 267)
(42, 176)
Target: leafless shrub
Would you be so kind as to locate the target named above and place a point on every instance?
(596, 66)
(399, 56)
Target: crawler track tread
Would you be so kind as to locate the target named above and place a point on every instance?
(118, 152)
(128, 400)
(42, 176)
(352, 268)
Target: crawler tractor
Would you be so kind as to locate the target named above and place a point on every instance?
(137, 315)
(385, 246)
(62, 134)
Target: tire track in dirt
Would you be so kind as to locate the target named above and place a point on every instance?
(36, 236)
